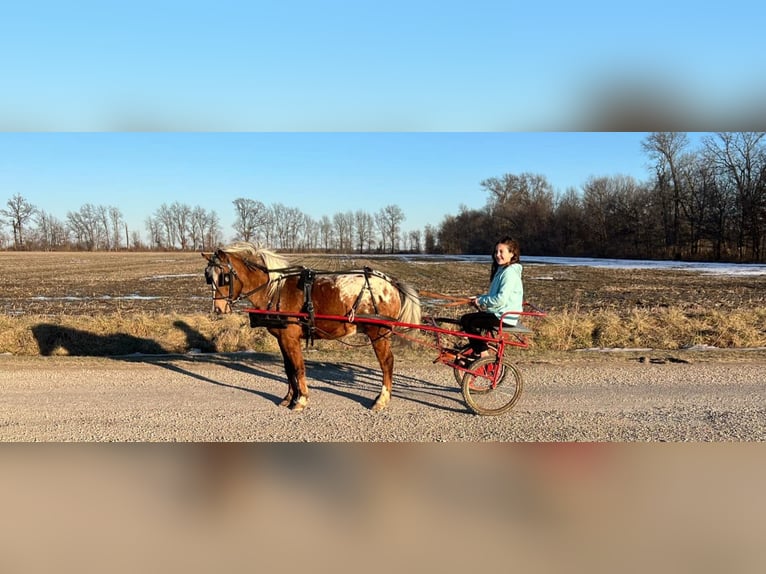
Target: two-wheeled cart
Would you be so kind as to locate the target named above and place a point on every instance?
(491, 383)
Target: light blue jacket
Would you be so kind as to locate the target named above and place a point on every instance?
(506, 293)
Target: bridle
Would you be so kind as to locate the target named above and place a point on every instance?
(227, 276)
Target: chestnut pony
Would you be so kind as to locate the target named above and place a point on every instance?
(269, 282)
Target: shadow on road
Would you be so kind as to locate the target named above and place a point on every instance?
(348, 380)
(354, 382)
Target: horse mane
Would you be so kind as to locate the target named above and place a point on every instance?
(249, 252)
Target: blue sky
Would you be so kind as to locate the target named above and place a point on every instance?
(355, 65)
(323, 105)
(428, 175)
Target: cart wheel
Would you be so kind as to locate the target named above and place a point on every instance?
(480, 386)
(478, 392)
(458, 376)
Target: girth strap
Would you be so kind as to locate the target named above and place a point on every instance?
(367, 272)
(306, 282)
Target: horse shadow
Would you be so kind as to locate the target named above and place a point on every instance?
(76, 342)
(354, 382)
(52, 339)
(351, 381)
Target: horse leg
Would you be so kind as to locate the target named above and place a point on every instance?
(290, 344)
(290, 372)
(381, 343)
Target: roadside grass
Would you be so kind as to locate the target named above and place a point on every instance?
(566, 330)
(662, 328)
(123, 303)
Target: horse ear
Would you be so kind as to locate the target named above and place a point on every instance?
(206, 255)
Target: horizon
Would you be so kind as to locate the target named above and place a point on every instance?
(429, 176)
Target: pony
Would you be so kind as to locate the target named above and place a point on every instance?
(267, 280)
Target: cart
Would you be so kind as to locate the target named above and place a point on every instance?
(491, 385)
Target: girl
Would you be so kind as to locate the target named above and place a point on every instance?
(506, 293)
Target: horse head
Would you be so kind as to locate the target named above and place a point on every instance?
(223, 281)
(233, 274)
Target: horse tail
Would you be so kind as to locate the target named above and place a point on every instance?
(410, 304)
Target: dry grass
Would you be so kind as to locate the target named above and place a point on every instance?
(663, 328)
(117, 304)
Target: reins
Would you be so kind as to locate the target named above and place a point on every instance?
(454, 301)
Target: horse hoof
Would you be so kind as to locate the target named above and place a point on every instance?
(285, 403)
(381, 402)
(299, 404)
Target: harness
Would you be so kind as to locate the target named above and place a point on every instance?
(230, 274)
(367, 273)
(306, 280)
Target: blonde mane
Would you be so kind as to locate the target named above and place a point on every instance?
(249, 252)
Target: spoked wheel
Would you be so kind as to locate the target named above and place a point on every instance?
(479, 393)
(458, 376)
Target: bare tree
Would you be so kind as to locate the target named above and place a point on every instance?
(521, 205)
(86, 226)
(310, 240)
(293, 227)
(18, 214)
(181, 214)
(166, 223)
(252, 217)
(666, 149)
(281, 225)
(610, 215)
(197, 224)
(156, 232)
(414, 238)
(430, 239)
(390, 220)
(116, 223)
(568, 224)
(699, 180)
(364, 226)
(520, 188)
(135, 241)
(51, 233)
(719, 197)
(213, 235)
(466, 232)
(344, 230)
(381, 225)
(326, 233)
(741, 158)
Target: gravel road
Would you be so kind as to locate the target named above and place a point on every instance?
(233, 397)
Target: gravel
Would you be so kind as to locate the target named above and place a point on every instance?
(234, 397)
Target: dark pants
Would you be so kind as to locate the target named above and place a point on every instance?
(478, 323)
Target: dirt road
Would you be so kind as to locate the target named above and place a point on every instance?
(234, 398)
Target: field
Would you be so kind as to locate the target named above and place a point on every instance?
(123, 303)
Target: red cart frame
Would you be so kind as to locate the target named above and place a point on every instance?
(491, 385)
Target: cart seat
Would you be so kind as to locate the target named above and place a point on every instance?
(517, 330)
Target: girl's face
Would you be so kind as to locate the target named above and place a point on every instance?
(503, 254)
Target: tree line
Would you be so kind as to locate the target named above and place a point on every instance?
(704, 203)
(179, 226)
